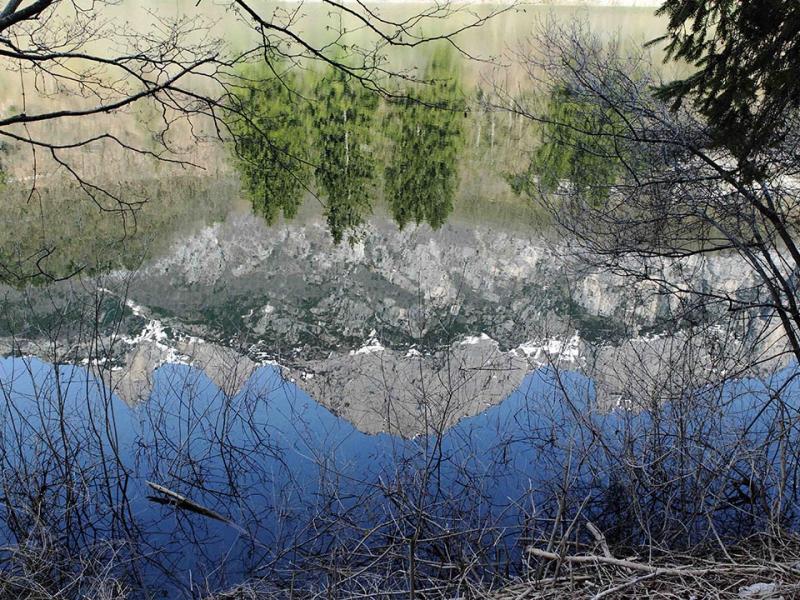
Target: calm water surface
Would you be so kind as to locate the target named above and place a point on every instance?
(298, 393)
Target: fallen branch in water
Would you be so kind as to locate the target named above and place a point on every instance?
(182, 502)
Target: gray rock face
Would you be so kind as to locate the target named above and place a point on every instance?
(379, 389)
(292, 293)
(413, 286)
(132, 380)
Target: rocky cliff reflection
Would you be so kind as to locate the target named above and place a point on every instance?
(404, 331)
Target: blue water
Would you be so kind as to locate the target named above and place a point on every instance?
(295, 480)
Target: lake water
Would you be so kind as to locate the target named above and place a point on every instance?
(319, 404)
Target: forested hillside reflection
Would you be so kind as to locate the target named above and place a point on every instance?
(325, 133)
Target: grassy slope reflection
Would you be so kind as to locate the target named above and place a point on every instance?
(3, 175)
(280, 134)
(55, 232)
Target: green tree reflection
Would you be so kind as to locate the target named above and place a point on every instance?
(343, 119)
(580, 146)
(282, 125)
(426, 134)
(270, 124)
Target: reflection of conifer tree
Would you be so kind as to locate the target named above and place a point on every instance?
(3, 176)
(588, 161)
(426, 135)
(342, 125)
(270, 127)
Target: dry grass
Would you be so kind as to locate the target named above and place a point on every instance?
(41, 570)
(762, 567)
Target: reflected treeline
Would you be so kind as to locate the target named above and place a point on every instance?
(271, 143)
(439, 153)
(358, 149)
